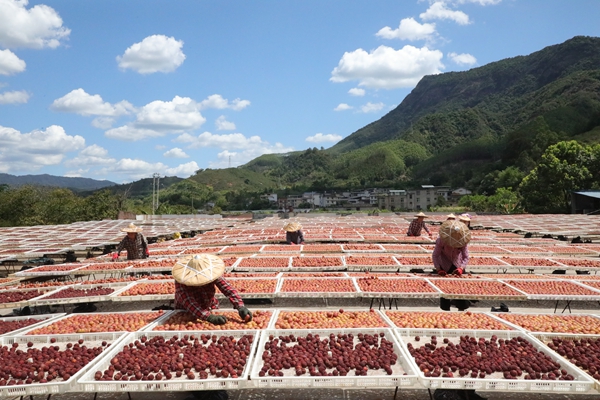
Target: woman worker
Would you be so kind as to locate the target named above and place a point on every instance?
(293, 233)
(451, 256)
(196, 278)
(418, 224)
(135, 243)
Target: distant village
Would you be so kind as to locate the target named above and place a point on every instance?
(369, 199)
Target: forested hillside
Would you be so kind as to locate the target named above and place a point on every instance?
(463, 128)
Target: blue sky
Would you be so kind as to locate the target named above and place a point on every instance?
(120, 90)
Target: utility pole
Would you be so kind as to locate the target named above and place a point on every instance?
(155, 191)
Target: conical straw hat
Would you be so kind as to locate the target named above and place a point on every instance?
(455, 234)
(132, 228)
(421, 214)
(450, 216)
(198, 270)
(292, 227)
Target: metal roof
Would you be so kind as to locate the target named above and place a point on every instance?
(590, 193)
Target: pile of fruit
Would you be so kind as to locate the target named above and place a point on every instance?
(185, 321)
(160, 358)
(579, 324)
(444, 320)
(101, 322)
(333, 355)
(473, 357)
(29, 364)
(150, 288)
(329, 319)
(313, 285)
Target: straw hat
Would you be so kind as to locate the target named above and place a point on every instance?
(132, 228)
(464, 217)
(198, 270)
(421, 215)
(455, 233)
(450, 216)
(292, 227)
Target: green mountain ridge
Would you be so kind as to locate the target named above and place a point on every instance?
(74, 183)
(455, 128)
(495, 92)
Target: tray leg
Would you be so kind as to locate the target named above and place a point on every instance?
(567, 306)
(373, 299)
(395, 392)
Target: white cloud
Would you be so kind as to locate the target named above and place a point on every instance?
(10, 64)
(183, 170)
(462, 59)
(356, 92)
(320, 138)
(228, 158)
(248, 148)
(130, 133)
(224, 125)
(131, 169)
(34, 150)
(371, 107)
(387, 68)
(37, 27)
(179, 114)
(14, 97)
(343, 107)
(76, 173)
(160, 147)
(176, 152)
(481, 2)
(409, 29)
(93, 155)
(79, 102)
(103, 122)
(438, 10)
(185, 138)
(158, 118)
(229, 141)
(217, 101)
(156, 53)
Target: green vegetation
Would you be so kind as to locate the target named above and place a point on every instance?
(37, 205)
(520, 133)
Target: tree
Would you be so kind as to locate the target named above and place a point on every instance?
(60, 206)
(564, 167)
(510, 177)
(17, 206)
(100, 205)
(505, 201)
(476, 202)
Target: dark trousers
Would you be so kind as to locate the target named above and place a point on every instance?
(460, 304)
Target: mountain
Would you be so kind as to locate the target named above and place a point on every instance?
(494, 99)
(461, 128)
(143, 187)
(55, 181)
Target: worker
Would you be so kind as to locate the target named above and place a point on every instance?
(135, 243)
(451, 256)
(418, 224)
(293, 233)
(196, 279)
